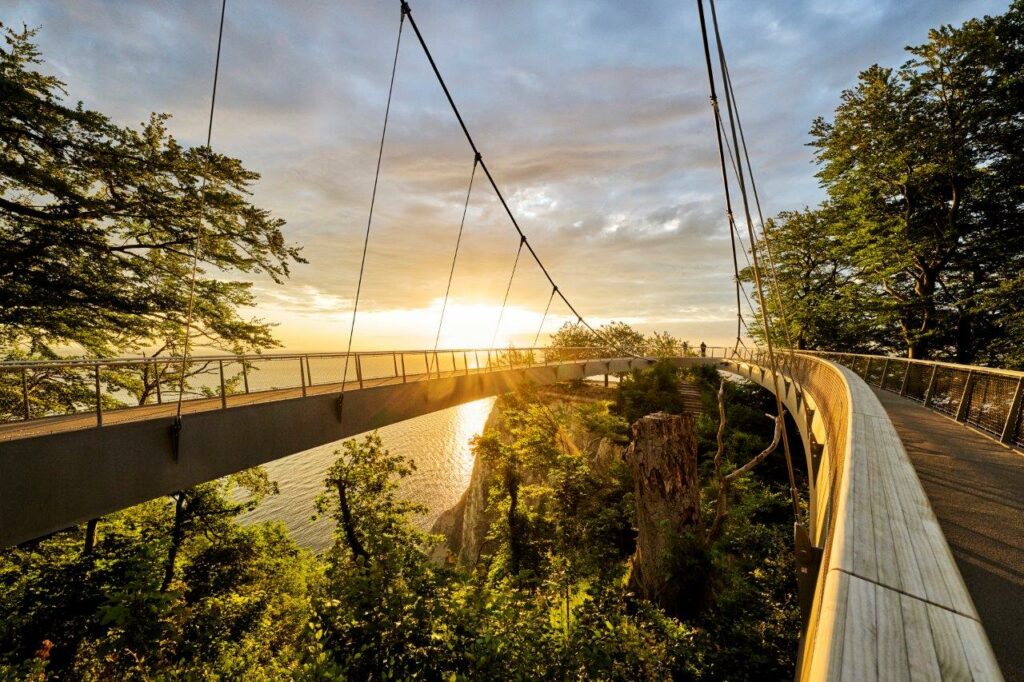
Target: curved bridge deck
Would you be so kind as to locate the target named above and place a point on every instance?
(976, 489)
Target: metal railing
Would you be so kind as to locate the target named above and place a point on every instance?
(986, 398)
(31, 390)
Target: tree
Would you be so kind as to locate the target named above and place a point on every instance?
(823, 307)
(925, 187)
(918, 247)
(99, 225)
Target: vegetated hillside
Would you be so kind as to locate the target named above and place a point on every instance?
(544, 593)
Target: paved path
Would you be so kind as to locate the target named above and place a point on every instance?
(976, 488)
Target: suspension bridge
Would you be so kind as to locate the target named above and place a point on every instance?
(897, 579)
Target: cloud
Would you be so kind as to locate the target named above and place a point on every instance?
(592, 116)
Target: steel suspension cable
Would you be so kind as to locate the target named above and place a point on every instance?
(725, 175)
(544, 317)
(757, 276)
(369, 219)
(407, 11)
(455, 257)
(772, 270)
(197, 242)
(501, 314)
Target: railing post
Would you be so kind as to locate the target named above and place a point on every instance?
(359, 369)
(145, 379)
(402, 355)
(426, 362)
(245, 374)
(465, 361)
(454, 366)
(223, 391)
(965, 398)
(906, 376)
(394, 361)
(24, 393)
(488, 359)
(99, 397)
(302, 376)
(1011, 417)
(159, 395)
(885, 373)
(931, 385)
(476, 360)
(309, 372)
(867, 369)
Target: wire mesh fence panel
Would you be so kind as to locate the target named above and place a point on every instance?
(873, 375)
(947, 390)
(272, 374)
(990, 399)
(893, 378)
(918, 376)
(1017, 431)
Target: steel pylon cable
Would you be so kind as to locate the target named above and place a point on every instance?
(508, 289)
(544, 317)
(369, 219)
(455, 257)
(197, 242)
(725, 176)
(407, 12)
(773, 272)
(757, 275)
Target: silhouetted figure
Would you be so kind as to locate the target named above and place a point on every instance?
(703, 349)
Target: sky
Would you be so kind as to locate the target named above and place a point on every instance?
(592, 115)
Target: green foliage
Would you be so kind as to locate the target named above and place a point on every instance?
(235, 608)
(98, 224)
(645, 391)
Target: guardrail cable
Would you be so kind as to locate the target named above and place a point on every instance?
(197, 242)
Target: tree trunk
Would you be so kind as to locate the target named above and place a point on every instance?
(349, 526)
(176, 535)
(663, 460)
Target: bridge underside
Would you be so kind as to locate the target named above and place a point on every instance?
(53, 480)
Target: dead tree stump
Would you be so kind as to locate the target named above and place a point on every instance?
(663, 459)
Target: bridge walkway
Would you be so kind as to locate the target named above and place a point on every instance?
(976, 489)
(135, 413)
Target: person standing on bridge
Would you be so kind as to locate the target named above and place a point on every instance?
(703, 349)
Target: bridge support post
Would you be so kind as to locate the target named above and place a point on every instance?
(24, 393)
(808, 563)
(965, 397)
(223, 390)
(1014, 414)
(931, 385)
(99, 397)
